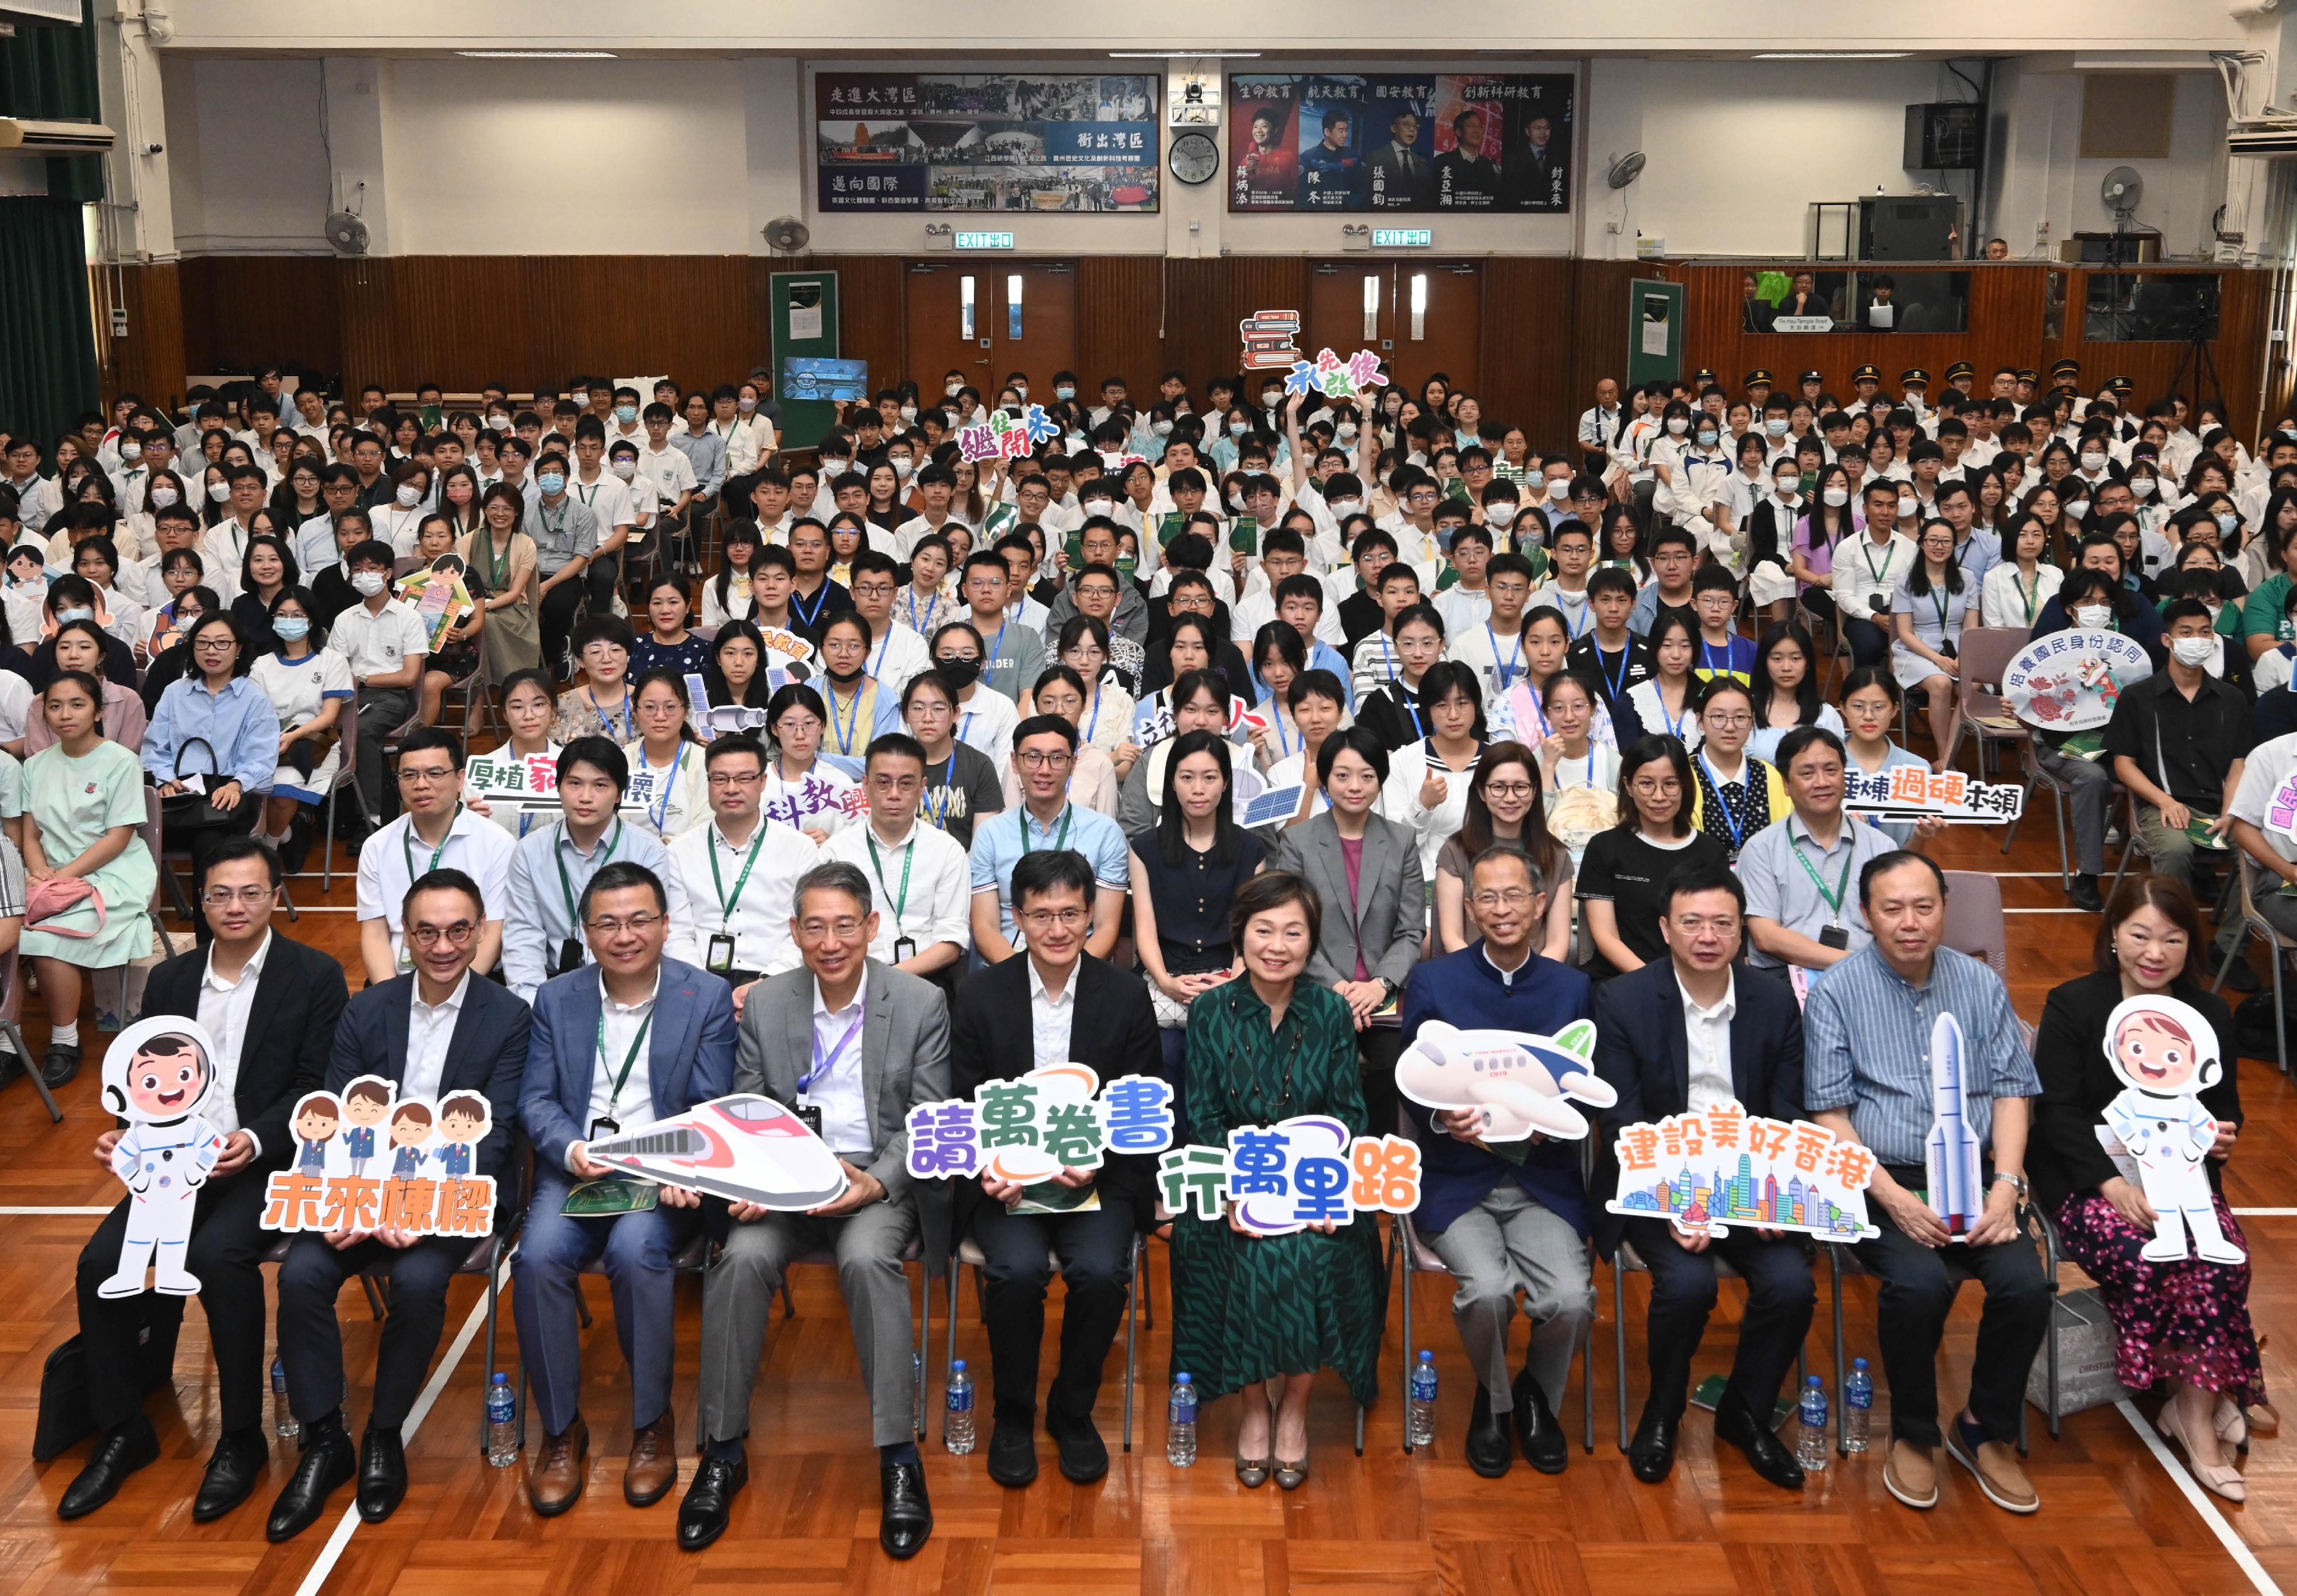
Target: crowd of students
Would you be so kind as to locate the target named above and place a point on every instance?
(1540, 730)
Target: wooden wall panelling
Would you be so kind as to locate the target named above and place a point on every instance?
(872, 322)
(149, 359)
(2004, 325)
(1206, 299)
(2155, 367)
(1120, 322)
(1529, 303)
(246, 309)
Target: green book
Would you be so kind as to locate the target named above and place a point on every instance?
(615, 1194)
(1710, 1396)
(2197, 832)
(2085, 744)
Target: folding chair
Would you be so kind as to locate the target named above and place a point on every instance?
(968, 1253)
(1974, 921)
(12, 1008)
(1625, 1261)
(1985, 653)
(2254, 924)
(2038, 778)
(1827, 636)
(474, 694)
(154, 835)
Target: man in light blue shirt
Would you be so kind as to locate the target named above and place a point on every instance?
(1044, 752)
(1868, 1078)
(554, 862)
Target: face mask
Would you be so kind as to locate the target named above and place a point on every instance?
(1077, 441)
(1907, 507)
(1346, 431)
(1787, 486)
(551, 482)
(2194, 652)
(626, 469)
(131, 450)
(902, 466)
(219, 491)
(1021, 390)
(953, 389)
(1061, 390)
(908, 413)
(960, 674)
(1559, 489)
(66, 617)
(626, 413)
(2227, 520)
(1502, 514)
(2141, 486)
(1346, 507)
(1163, 428)
(1239, 428)
(1270, 397)
(745, 405)
(161, 498)
(834, 468)
(1775, 426)
(1706, 437)
(367, 584)
(2093, 615)
(1836, 498)
(2093, 462)
(500, 423)
(408, 496)
(289, 628)
(1236, 501)
(1097, 507)
(1678, 424)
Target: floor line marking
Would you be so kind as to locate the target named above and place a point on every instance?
(2227, 1537)
(51, 1212)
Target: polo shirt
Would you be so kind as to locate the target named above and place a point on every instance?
(999, 842)
(1781, 890)
(376, 642)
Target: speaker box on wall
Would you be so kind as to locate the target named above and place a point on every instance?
(1909, 227)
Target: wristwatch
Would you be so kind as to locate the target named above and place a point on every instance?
(1388, 990)
(2017, 1183)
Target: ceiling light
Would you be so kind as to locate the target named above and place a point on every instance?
(1184, 56)
(1832, 54)
(538, 54)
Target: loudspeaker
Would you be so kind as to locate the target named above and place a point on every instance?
(1912, 227)
(1947, 136)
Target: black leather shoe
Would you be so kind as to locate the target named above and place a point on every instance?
(1490, 1450)
(239, 1461)
(1084, 1455)
(708, 1504)
(1651, 1455)
(382, 1475)
(61, 1064)
(906, 1521)
(1544, 1444)
(1013, 1450)
(326, 1463)
(132, 1445)
(2084, 894)
(1735, 1423)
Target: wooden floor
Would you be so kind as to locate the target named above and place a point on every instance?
(2113, 1518)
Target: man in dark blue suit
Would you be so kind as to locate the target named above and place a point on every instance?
(639, 1039)
(1514, 1217)
(434, 1030)
(1682, 1034)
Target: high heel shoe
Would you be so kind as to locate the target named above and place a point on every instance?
(1252, 1471)
(2231, 1424)
(2216, 1478)
(1292, 1476)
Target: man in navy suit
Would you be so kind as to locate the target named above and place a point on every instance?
(434, 1030)
(639, 1039)
(1682, 1035)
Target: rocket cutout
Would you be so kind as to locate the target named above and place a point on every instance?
(1950, 1152)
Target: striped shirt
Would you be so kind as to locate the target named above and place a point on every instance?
(1885, 1083)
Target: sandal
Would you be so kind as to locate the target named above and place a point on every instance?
(2215, 1478)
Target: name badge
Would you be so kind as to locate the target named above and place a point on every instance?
(810, 1113)
(570, 956)
(905, 947)
(603, 1126)
(1834, 936)
(719, 959)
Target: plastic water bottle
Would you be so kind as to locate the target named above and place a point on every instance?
(502, 1421)
(1812, 1452)
(957, 1424)
(1419, 1425)
(1857, 1405)
(287, 1424)
(1180, 1423)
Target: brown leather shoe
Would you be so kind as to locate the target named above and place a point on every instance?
(654, 1463)
(555, 1479)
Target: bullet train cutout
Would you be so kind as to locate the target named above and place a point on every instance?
(1063, 1083)
(1950, 1151)
(1520, 1082)
(744, 1147)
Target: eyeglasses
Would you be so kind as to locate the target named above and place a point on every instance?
(722, 779)
(609, 926)
(1508, 789)
(1514, 897)
(1665, 786)
(430, 936)
(1036, 758)
(415, 778)
(217, 897)
(844, 930)
(215, 644)
(1726, 720)
(1067, 919)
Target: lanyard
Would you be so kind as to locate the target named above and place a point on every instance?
(669, 784)
(1673, 722)
(1387, 654)
(1095, 720)
(1706, 658)
(963, 728)
(844, 735)
(1586, 619)
(726, 906)
(1866, 554)
(909, 857)
(996, 647)
(1938, 602)
(797, 605)
(879, 669)
(1618, 684)
(407, 845)
(1068, 813)
(948, 792)
(2031, 596)
(565, 885)
(629, 717)
(1506, 671)
(1841, 884)
(1731, 822)
(1283, 748)
(912, 601)
(630, 1059)
(823, 1064)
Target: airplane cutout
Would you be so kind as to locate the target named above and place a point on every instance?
(1519, 1081)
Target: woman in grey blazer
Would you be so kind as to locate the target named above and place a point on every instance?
(1366, 873)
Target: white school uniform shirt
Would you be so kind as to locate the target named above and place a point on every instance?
(838, 1093)
(37, 499)
(916, 529)
(378, 643)
(224, 1009)
(937, 907)
(747, 437)
(1463, 609)
(986, 721)
(1257, 608)
(632, 1108)
(897, 659)
(223, 547)
(671, 471)
(607, 499)
(758, 919)
(473, 845)
(397, 526)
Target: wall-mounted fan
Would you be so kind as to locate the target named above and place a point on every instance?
(1626, 168)
(2120, 191)
(787, 236)
(347, 234)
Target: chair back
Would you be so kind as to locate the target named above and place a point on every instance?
(1974, 921)
(11, 999)
(150, 829)
(1984, 654)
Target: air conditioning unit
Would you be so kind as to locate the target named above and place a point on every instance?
(27, 137)
(2263, 141)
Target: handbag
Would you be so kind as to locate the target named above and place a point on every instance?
(197, 811)
(63, 1419)
(59, 894)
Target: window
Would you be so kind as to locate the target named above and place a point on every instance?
(965, 308)
(1371, 306)
(1418, 306)
(1013, 307)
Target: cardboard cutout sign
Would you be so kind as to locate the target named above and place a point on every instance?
(1334, 378)
(1916, 792)
(440, 596)
(744, 1147)
(1031, 1129)
(1781, 1176)
(157, 1074)
(368, 1159)
(1006, 436)
(1298, 1172)
(2165, 1053)
(1270, 340)
(1950, 1151)
(2069, 681)
(1519, 1081)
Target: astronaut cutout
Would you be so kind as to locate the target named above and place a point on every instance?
(2164, 1051)
(156, 1075)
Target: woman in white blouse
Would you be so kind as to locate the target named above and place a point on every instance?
(2015, 590)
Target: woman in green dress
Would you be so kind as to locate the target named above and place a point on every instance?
(83, 812)
(1260, 1314)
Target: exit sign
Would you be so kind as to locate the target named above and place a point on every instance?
(985, 240)
(1402, 238)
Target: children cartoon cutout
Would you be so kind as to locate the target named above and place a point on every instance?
(367, 1158)
(2165, 1053)
(157, 1075)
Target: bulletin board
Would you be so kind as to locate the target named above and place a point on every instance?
(803, 319)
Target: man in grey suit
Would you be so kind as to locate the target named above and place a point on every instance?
(852, 1045)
